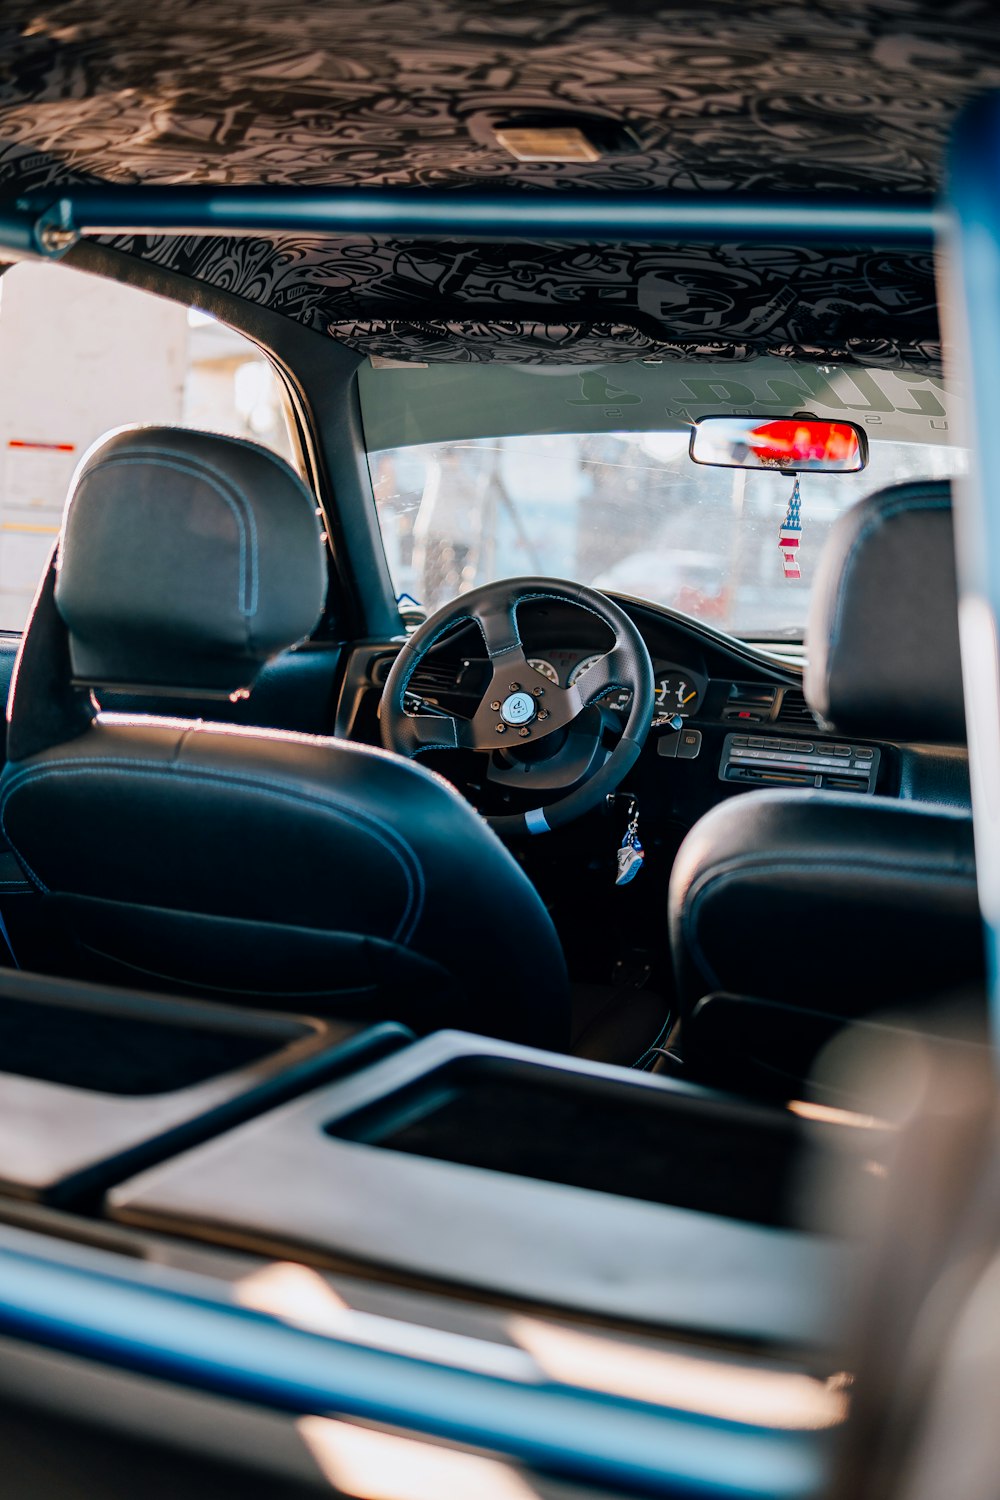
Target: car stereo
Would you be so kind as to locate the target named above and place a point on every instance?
(765, 760)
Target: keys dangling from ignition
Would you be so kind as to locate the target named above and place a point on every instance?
(631, 854)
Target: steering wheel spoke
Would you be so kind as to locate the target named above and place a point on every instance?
(419, 732)
(614, 670)
(497, 619)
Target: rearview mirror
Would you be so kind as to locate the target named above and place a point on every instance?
(793, 445)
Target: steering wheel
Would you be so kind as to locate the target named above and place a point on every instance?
(521, 708)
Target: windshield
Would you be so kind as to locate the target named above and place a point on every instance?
(627, 510)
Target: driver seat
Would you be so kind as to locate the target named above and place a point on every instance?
(260, 867)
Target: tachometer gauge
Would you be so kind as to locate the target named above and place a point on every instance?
(544, 668)
(676, 694)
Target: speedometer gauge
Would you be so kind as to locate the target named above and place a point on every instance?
(544, 668)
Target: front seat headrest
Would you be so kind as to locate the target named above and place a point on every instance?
(186, 561)
(882, 641)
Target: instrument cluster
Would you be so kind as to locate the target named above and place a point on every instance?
(678, 689)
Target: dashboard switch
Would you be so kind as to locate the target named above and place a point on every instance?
(688, 744)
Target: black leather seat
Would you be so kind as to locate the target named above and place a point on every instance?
(844, 903)
(264, 867)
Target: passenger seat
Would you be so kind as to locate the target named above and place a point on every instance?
(843, 903)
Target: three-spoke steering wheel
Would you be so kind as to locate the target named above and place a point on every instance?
(519, 707)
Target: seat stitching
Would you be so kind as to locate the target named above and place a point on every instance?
(414, 878)
(289, 736)
(267, 784)
(20, 857)
(279, 463)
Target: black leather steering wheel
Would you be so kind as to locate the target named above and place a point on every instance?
(520, 707)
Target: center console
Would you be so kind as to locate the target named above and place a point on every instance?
(96, 1083)
(453, 1163)
(530, 1177)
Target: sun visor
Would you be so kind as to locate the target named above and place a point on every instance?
(432, 403)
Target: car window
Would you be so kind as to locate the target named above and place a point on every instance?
(621, 506)
(81, 356)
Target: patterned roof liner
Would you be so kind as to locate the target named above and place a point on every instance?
(472, 303)
(829, 96)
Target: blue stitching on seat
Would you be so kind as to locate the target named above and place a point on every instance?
(192, 469)
(265, 783)
(281, 464)
(268, 785)
(20, 857)
(6, 937)
(201, 470)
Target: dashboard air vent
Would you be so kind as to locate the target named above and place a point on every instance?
(749, 702)
(795, 710)
(429, 678)
(435, 677)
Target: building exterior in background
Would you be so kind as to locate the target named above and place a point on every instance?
(77, 352)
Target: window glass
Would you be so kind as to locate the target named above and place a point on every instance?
(82, 356)
(624, 512)
(486, 472)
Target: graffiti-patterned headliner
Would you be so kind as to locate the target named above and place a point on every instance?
(830, 96)
(455, 301)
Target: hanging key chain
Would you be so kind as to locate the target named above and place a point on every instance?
(631, 854)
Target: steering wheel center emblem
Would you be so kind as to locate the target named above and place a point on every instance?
(519, 708)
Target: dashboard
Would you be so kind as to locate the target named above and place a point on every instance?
(699, 674)
(679, 689)
(729, 718)
(745, 720)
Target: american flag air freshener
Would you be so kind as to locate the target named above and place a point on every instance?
(791, 533)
